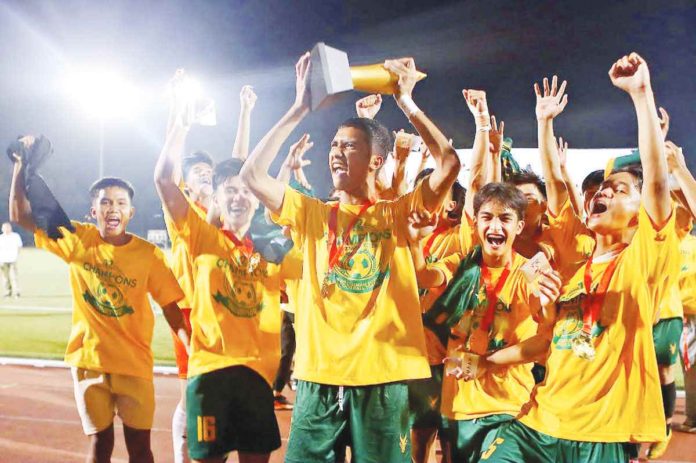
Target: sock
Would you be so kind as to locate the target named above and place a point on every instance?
(179, 435)
(669, 399)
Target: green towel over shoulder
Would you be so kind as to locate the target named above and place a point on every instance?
(461, 295)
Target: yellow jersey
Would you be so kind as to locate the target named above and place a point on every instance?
(235, 318)
(179, 259)
(368, 330)
(615, 397)
(502, 390)
(112, 321)
(687, 274)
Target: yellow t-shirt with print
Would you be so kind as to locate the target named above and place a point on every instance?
(369, 328)
(455, 240)
(613, 397)
(235, 318)
(687, 274)
(502, 390)
(179, 259)
(112, 319)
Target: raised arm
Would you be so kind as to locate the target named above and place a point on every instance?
(494, 170)
(368, 106)
(478, 168)
(168, 168)
(677, 167)
(549, 104)
(247, 101)
(255, 171)
(573, 194)
(446, 161)
(631, 75)
(20, 209)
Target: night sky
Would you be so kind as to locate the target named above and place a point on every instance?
(500, 47)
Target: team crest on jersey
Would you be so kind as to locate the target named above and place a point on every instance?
(106, 297)
(403, 442)
(238, 294)
(569, 323)
(359, 271)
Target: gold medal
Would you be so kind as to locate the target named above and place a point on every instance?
(254, 261)
(582, 346)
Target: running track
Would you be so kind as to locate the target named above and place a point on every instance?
(39, 422)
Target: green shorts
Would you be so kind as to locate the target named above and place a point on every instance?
(469, 437)
(424, 396)
(515, 442)
(230, 409)
(666, 336)
(373, 420)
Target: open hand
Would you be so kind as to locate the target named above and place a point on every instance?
(552, 101)
(302, 82)
(295, 159)
(420, 224)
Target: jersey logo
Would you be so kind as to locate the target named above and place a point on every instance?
(672, 348)
(108, 301)
(570, 323)
(358, 272)
(241, 299)
(433, 401)
(403, 442)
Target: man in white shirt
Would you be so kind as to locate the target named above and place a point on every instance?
(10, 242)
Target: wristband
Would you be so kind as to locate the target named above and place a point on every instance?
(483, 121)
(408, 106)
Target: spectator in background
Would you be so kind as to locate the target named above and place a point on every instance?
(10, 242)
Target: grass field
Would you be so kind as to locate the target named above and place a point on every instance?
(37, 325)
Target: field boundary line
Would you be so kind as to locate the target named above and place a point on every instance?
(35, 308)
(46, 363)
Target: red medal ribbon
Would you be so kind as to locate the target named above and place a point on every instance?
(429, 244)
(493, 293)
(245, 245)
(335, 250)
(593, 302)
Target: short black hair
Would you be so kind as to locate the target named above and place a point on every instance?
(506, 194)
(226, 169)
(593, 179)
(526, 176)
(190, 160)
(106, 182)
(422, 174)
(377, 134)
(636, 172)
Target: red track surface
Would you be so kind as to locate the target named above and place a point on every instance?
(39, 422)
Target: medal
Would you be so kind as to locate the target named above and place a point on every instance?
(477, 341)
(336, 250)
(254, 261)
(582, 343)
(582, 346)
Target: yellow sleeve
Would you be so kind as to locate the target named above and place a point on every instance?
(65, 246)
(654, 255)
(448, 266)
(198, 234)
(295, 212)
(572, 240)
(162, 284)
(291, 267)
(467, 234)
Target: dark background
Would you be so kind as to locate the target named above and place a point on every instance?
(501, 47)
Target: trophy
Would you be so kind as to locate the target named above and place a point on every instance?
(331, 74)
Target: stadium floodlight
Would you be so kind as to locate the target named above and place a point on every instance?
(103, 93)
